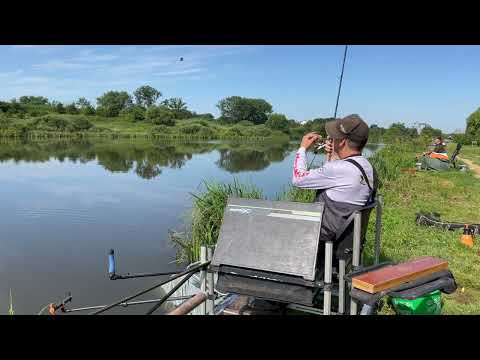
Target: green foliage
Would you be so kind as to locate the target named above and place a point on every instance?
(389, 160)
(235, 108)
(428, 133)
(473, 123)
(59, 108)
(159, 115)
(245, 123)
(206, 116)
(5, 122)
(298, 195)
(60, 123)
(80, 124)
(376, 134)
(71, 109)
(398, 133)
(50, 123)
(191, 128)
(278, 122)
(146, 96)
(161, 129)
(33, 100)
(298, 132)
(134, 113)
(178, 107)
(12, 108)
(112, 102)
(85, 107)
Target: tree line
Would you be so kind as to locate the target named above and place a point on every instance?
(145, 105)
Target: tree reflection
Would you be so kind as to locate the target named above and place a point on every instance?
(144, 158)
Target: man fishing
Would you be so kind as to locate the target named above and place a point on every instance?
(439, 150)
(347, 181)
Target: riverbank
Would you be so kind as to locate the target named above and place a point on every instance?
(453, 194)
(58, 126)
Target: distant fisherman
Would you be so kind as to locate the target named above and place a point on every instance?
(439, 150)
(344, 185)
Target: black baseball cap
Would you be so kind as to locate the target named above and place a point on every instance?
(351, 127)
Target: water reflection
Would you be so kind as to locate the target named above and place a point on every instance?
(145, 158)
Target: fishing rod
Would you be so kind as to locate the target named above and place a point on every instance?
(112, 268)
(126, 304)
(321, 146)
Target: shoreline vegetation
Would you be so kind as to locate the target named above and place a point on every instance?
(453, 194)
(118, 114)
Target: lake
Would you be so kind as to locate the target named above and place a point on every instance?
(66, 203)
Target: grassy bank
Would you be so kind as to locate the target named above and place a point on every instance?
(55, 126)
(453, 194)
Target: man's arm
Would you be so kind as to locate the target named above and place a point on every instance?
(321, 178)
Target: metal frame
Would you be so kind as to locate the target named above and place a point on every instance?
(356, 263)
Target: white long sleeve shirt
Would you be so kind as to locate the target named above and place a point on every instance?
(342, 181)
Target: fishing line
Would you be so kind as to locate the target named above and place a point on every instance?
(338, 95)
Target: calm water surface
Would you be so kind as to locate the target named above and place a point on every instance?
(65, 204)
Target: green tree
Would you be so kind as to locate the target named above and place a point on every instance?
(430, 132)
(277, 122)
(160, 115)
(33, 100)
(59, 108)
(473, 123)
(146, 95)
(85, 106)
(112, 102)
(178, 107)
(234, 109)
(71, 109)
(134, 113)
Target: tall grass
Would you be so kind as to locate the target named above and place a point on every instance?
(10, 309)
(389, 160)
(206, 217)
(298, 195)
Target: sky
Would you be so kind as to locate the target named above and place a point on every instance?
(439, 85)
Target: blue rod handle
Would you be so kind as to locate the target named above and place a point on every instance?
(111, 263)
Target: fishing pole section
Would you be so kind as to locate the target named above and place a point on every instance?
(205, 295)
(320, 144)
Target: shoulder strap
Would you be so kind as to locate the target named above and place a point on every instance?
(373, 190)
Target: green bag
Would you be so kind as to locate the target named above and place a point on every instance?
(429, 304)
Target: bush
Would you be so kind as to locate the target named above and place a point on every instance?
(297, 133)
(88, 110)
(5, 122)
(234, 131)
(201, 122)
(245, 123)
(80, 124)
(160, 116)
(191, 128)
(277, 122)
(160, 129)
(50, 123)
(258, 131)
(135, 113)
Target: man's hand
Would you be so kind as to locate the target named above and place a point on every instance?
(309, 139)
(329, 149)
